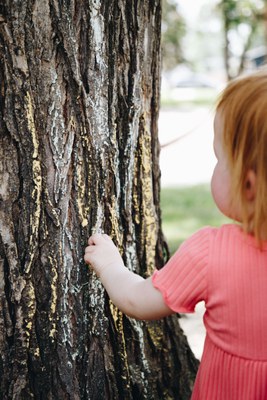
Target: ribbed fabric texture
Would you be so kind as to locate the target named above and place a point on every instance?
(225, 268)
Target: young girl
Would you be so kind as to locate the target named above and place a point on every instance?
(226, 267)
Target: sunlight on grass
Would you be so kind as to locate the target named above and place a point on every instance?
(185, 210)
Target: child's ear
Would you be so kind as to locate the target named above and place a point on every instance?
(251, 183)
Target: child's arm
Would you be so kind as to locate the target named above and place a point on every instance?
(133, 295)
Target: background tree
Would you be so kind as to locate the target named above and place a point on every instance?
(173, 30)
(241, 20)
(79, 153)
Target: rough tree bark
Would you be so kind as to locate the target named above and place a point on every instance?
(79, 153)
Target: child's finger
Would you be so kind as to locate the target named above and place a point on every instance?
(89, 249)
(87, 257)
(95, 239)
(106, 237)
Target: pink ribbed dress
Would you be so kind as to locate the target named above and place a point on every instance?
(225, 268)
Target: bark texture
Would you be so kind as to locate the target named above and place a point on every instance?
(79, 153)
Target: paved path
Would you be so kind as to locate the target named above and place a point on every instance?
(187, 158)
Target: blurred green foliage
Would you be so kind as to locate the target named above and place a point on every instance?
(237, 14)
(173, 30)
(243, 28)
(242, 11)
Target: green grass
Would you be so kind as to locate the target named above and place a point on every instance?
(185, 210)
(174, 103)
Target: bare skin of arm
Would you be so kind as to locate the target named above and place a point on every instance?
(133, 295)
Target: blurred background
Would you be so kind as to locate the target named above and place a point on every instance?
(205, 43)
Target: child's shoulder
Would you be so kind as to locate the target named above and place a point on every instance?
(207, 235)
(226, 229)
(229, 235)
(224, 234)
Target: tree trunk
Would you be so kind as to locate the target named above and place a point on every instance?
(226, 50)
(79, 153)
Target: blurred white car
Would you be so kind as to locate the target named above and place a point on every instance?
(189, 87)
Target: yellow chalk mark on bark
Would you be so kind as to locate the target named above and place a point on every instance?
(114, 219)
(53, 331)
(135, 197)
(53, 304)
(31, 309)
(118, 321)
(37, 352)
(155, 333)
(31, 125)
(83, 209)
(149, 217)
(37, 183)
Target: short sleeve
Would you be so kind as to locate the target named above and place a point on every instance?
(183, 280)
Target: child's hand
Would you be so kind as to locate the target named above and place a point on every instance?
(102, 253)
(133, 295)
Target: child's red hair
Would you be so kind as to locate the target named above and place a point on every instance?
(243, 105)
